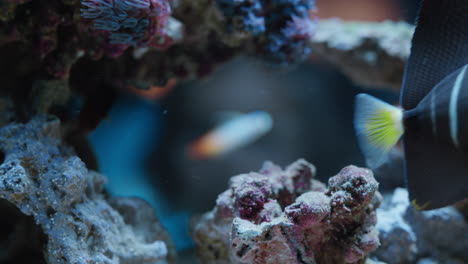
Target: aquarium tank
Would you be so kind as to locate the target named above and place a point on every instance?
(233, 131)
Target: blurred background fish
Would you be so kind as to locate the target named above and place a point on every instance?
(231, 135)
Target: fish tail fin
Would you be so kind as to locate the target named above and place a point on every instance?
(378, 127)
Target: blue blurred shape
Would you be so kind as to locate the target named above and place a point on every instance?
(121, 145)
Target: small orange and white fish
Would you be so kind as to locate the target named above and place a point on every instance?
(231, 135)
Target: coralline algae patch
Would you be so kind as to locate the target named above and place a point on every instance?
(411, 236)
(286, 216)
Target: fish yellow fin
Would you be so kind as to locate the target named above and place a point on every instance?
(378, 128)
(418, 207)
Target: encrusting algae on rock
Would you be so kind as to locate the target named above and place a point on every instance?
(411, 236)
(286, 216)
(43, 178)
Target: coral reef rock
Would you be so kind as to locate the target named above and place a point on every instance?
(285, 216)
(146, 44)
(398, 241)
(372, 54)
(411, 236)
(44, 179)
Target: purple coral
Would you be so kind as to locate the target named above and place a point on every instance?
(127, 22)
(289, 28)
(242, 15)
(277, 216)
(281, 28)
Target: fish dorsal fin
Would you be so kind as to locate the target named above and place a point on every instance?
(439, 47)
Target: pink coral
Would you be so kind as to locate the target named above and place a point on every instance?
(278, 216)
(124, 23)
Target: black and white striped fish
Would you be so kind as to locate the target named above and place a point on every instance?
(433, 120)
